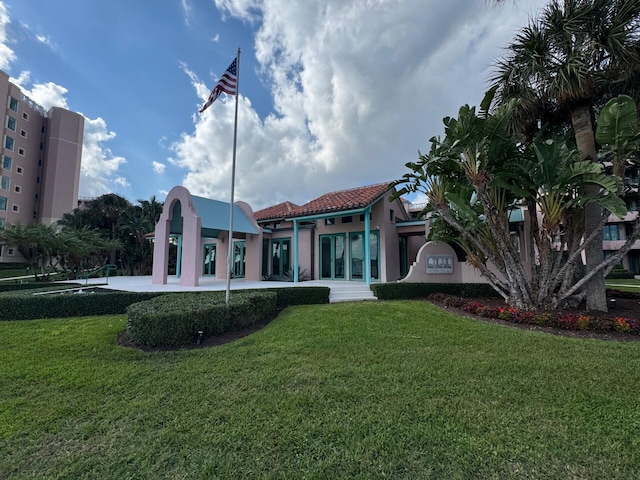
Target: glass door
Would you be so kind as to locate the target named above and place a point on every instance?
(358, 261)
(238, 259)
(280, 257)
(332, 256)
(209, 265)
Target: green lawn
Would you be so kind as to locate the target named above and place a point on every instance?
(14, 272)
(626, 285)
(365, 391)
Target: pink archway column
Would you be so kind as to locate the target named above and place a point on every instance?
(191, 242)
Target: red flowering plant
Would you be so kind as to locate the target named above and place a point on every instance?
(626, 325)
(574, 321)
(478, 308)
(621, 324)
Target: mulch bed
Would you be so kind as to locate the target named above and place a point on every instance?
(625, 307)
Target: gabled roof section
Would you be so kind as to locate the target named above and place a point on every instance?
(215, 217)
(351, 199)
(276, 212)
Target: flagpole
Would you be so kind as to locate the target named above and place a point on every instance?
(233, 181)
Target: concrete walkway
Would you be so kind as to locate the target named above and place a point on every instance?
(340, 291)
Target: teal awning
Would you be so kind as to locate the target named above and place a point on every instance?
(214, 216)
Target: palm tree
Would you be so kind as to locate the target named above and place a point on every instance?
(37, 243)
(573, 57)
(478, 173)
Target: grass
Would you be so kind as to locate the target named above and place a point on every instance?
(625, 285)
(14, 272)
(363, 391)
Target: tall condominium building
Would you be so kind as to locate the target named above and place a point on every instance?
(39, 162)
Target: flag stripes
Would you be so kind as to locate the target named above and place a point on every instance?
(228, 84)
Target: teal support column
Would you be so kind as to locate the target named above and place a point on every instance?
(367, 245)
(295, 251)
(179, 257)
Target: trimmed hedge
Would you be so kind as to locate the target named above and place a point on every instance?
(299, 295)
(176, 319)
(25, 305)
(406, 291)
(18, 302)
(620, 274)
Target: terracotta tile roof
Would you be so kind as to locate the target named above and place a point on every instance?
(275, 212)
(351, 199)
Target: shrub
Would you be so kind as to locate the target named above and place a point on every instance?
(287, 296)
(174, 320)
(542, 319)
(619, 273)
(405, 291)
(25, 305)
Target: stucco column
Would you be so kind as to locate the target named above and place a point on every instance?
(191, 254)
(161, 253)
(367, 245)
(295, 251)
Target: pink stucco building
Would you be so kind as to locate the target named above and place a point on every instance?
(324, 238)
(39, 162)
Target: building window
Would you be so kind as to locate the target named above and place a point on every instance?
(3, 223)
(329, 221)
(347, 219)
(25, 115)
(17, 189)
(392, 216)
(5, 182)
(3, 204)
(8, 143)
(15, 208)
(11, 252)
(11, 123)
(23, 133)
(21, 151)
(610, 232)
(13, 104)
(19, 170)
(6, 163)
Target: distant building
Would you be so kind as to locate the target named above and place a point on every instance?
(39, 162)
(617, 230)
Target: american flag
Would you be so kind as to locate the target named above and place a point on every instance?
(227, 84)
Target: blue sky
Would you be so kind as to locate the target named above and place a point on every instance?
(334, 94)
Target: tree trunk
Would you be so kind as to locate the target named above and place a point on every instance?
(585, 142)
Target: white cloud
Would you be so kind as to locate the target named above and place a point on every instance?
(216, 38)
(7, 55)
(358, 87)
(122, 182)
(186, 11)
(159, 167)
(99, 166)
(46, 95)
